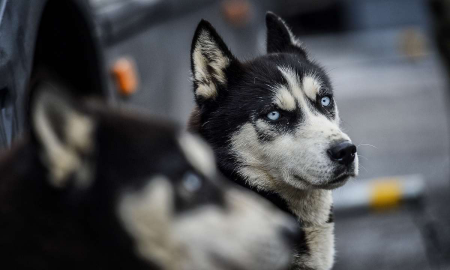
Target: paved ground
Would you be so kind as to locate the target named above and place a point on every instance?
(398, 105)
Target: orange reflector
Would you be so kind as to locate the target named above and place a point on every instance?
(385, 194)
(236, 12)
(124, 71)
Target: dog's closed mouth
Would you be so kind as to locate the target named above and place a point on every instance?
(340, 178)
(334, 183)
(336, 180)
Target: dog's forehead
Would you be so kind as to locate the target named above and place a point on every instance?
(266, 69)
(282, 79)
(307, 85)
(305, 76)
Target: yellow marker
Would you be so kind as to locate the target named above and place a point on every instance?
(385, 194)
(380, 193)
(125, 73)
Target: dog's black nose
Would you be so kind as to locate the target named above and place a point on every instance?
(343, 152)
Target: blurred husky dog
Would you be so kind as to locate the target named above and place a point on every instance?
(91, 188)
(274, 127)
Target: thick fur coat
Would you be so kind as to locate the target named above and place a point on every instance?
(274, 127)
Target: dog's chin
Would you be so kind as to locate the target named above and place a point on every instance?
(337, 181)
(328, 184)
(340, 177)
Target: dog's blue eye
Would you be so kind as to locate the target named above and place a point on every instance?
(325, 101)
(274, 115)
(192, 182)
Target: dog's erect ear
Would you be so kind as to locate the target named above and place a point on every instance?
(210, 58)
(62, 131)
(280, 38)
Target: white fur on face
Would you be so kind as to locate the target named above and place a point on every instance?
(311, 87)
(298, 158)
(250, 152)
(247, 234)
(284, 99)
(207, 54)
(198, 153)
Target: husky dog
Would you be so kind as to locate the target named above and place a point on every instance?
(274, 127)
(91, 188)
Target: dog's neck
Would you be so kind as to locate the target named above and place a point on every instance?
(312, 207)
(314, 210)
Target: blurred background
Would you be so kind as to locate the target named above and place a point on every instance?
(388, 61)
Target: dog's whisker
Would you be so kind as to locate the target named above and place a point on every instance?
(346, 124)
(363, 167)
(366, 144)
(362, 157)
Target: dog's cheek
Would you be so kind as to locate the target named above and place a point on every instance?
(246, 146)
(265, 131)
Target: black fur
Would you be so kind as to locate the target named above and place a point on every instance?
(278, 38)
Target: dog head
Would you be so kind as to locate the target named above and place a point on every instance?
(272, 118)
(151, 193)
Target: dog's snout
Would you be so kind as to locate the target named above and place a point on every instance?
(343, 152)
(292, 233)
